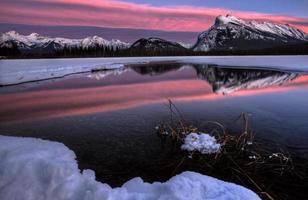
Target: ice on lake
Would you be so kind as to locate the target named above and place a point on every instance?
(20, 71)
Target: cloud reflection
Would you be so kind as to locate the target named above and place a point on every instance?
(70, 101)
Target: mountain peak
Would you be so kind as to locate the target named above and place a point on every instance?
(155, 39)
(11, 33)
(154, 43)
(220, 20)
(34, 35)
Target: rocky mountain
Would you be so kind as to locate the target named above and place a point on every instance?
(156, 44)
(231, 33)
(228, 80)
(38, 43)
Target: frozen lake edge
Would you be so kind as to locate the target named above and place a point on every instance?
(28, 70)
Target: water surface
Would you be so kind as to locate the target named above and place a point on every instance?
(108, 118)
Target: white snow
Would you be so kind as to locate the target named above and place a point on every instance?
(19, 71)
(228, 19)
(186, 45)
(35, 169)
(202, 142)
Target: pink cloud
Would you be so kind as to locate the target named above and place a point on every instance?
(110, 13)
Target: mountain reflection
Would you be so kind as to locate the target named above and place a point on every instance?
(155, 69)
(141, 85)
(228, 80)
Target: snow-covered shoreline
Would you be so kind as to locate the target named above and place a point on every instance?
(26, 70)
(33, 169)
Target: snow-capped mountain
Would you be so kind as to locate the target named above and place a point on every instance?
(35, 42)
(231, 33)
(156, 44)
(228, 80)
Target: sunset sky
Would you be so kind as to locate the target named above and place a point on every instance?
(171, 15)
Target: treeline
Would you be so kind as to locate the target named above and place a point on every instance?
(66, 52)
(10, 52)
(160, 52)
(97, 51)
(101, 51)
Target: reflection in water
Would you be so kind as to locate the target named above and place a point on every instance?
(89, 114)
(227, 80)
(78, 96)
(155, 69)
(102, 74)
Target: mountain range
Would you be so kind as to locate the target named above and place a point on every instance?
(37, 43)
(228, 34)
(129, 35)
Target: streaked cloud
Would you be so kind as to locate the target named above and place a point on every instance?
(111, 13)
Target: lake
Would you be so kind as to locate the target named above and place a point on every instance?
(108, 117)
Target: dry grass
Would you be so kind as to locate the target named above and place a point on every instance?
(241, 158)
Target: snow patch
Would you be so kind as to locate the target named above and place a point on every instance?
(228, 19)
(202, 142)
(32, 169)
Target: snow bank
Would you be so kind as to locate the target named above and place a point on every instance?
(202, 142)
(35, 169)
(20, 71)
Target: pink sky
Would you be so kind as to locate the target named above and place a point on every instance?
(110, 13)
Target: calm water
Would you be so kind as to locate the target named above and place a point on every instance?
(108, 117)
